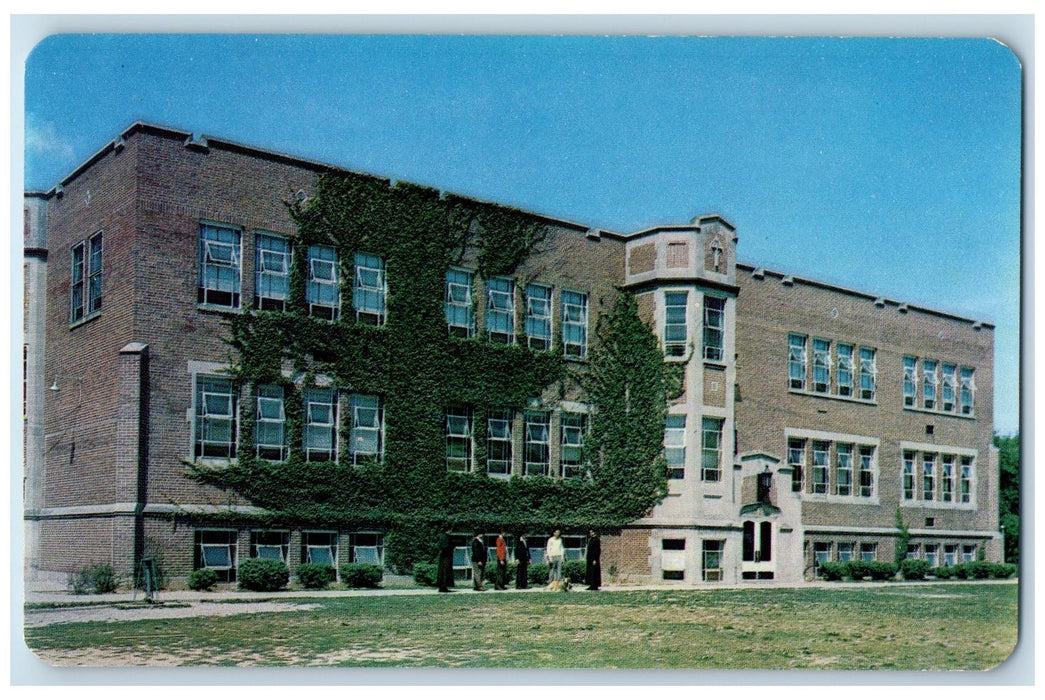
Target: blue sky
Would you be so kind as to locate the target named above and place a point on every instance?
(887, 165)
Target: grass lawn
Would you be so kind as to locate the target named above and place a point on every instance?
(933, 627)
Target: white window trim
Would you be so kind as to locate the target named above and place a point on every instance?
(721, 328)
(671, 357)
(834, 439)
(507, 306)
(547, 318)
(582, 324)
(468, 304)
(236, 265)
(922, 448)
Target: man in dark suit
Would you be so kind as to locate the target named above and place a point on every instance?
(522, 555)
(479, 557)
(592, 558)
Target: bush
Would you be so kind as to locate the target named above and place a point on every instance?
(914, 569)
(263, 575)
(202, 579)
(315, 576)
(574, 570)
(425, 573)
(1004, 570)
(882, 570)
(979, 569)
(356, 575)
(491, 572)
(943, 572)
(537, 574)
(858, 569)
(962, 571)
(834, 570)
(96, 578)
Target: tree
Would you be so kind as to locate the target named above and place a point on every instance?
(1009, 493)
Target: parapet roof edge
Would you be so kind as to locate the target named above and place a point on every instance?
(217, 142)
(857, 293)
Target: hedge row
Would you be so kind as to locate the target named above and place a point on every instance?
(536, 575)
(271, 575)
(913, 570)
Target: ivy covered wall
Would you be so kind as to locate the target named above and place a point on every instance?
(419, 370)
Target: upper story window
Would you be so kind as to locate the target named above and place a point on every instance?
(946, 477)
(968, 388)
(320, 424)
(219, 255)
(574, 324)
(369, 292)
(675, 335)
(844, 375)
(867, 374)
(675, 445)
(947, 382)
(216, 413)
(821, 365)
(571, 451)
(796, 459)
(908, 476)
(366, 439)
(459, 306)
(536, 454)
(867, 471)
(714, 325)
(821, 455)
(796, 361)
(929, 384)
(459, 439)
(844, 470)
(500, 309)
(539, 316)
(711, 449)
(271, 271)
(945, 387)
(499, 442)
(965, 480)
(270, 437)
(86, 274)
(323, 291)
(910, 379)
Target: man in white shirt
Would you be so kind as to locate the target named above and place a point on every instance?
(555, 554)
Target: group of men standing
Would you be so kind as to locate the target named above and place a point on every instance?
(554, 555)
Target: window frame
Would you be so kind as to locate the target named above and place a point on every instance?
(672, 345)
(369, 301)
(796, 361)
(708, 452)
(843, 469)
(575, 350)
(226, 572)
(929, 384)
(948, 380)
(264, 450)
(505, 314)
(910, 381)
(536, 447)
(358, 429)
(314, 302)
(712, 574)
(821, 366)
(267, 281)
(844, 368)
(575, 468)
(207, 260)
(713, 342)
(461, 439)
(453, 307)
(967, 385)
(507, 416)
(278, 539)
(203, 419)
(538, 327)
(314, 428)
(867, 370)
(675, 446)
(796, 447)
(928, 477)
(332, 538)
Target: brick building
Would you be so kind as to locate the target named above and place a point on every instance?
(809, 416)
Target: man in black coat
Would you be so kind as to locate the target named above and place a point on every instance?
(522, 555)
(592, 558)
(444, 577)
(479, 557)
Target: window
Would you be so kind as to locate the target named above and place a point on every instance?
(908, 476)
(94, 274)
(539, 316)
(675, 336)
(711, 569)
(950, 554)
(757, 542)
(270, 437)
(366, 548)
(675, 446)
(714, 325)
(947, 479)
(765, 551)
(366, 440)
(319, 548)
(500, 310)
(910, 379)
(947, 379)
(968, 553)
(868, 551)
(219, 278)
(965, 484)
(368, 294)
(575, 324)
(928, 384)
(270, 544)
(459, 306)
(914, 551)
(796, 361)
(932, 554)
(323, 291)
(499, 442)
(928, 477)
(821, 365)
(821, 554)
(535, 444)
(845, 551)
(77, 284)
(216, 549)
(673, 559)
(796, 458)
(821, 451)
(867, 372)
(271, 271)
(867, 469)
(572, 445)
(968, 388)
(216, 414)
(711, 449)
(320, 424)
(845, 369)
(459, 439)
(844, 470)
(573, 547)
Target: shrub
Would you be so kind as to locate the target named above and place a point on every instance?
(537, 574)
(315, 576)
(980, 569)
(1004, 570)
(263, 575)
(962, 571)
(834, 570)
(202, 579)
(491, 572)
(882, 570)
(357, 575)
(425, 573)
(574, 570)
(858, 569)
(943, 572)
(96, 578)
(914, 569)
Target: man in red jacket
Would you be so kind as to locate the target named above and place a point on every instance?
(502, 563)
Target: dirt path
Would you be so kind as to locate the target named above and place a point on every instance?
(118, 612)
